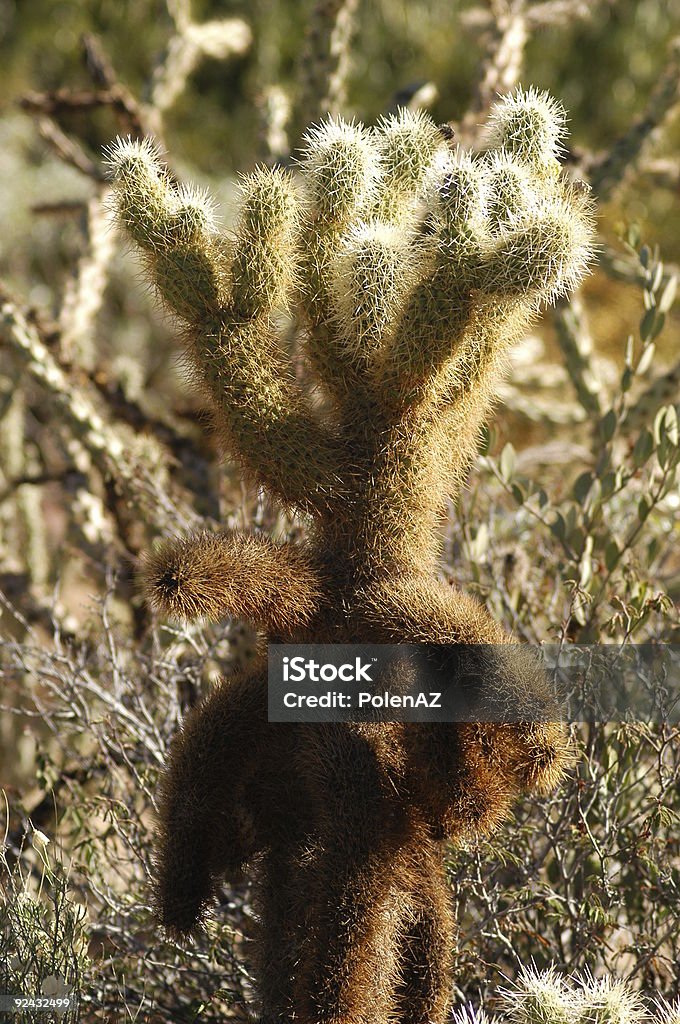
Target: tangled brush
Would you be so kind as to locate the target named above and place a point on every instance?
(407, 270)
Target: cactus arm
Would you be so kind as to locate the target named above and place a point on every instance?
(420, 611)
(414, 609)
(263, 418)
(410, 145)
(466, 791)
(205, 827)
(214, 575)
(544, 256)
(339, 164)
(507, 232)
(173, 229)
(261, 413)
(359, 264)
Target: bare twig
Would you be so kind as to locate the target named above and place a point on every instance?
(608, 171)
(60, 102)
(67, 149)
(577, 349)
(113, 451)
(325, 59)
(84, 294)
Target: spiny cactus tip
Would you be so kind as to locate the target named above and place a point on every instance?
(341, 162)
(268, 196)
(195, 210)
(463, 190)
(529, 125)
(125, 154)
(538, 997)
(408, 142)
(608, 1001)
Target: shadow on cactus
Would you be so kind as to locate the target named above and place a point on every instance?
(408, 271)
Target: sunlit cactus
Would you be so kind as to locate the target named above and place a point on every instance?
(540, 997)
(530, 127)
(410, 270)
(668, 1013)
(547, 997)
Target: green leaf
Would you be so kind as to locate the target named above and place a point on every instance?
(666, 429)
(671, 424)
(573, 517)
(658, 325)
(506, 463)
(671, 473)
(576, 538)
(630, 350)
(644, 508)
(594, 496)
(612, 555)
(644, 446)
(646, 359)
(608, 484)
(579, 612)
(657, 278)
(667, 296)
(659, 421)
(558, 527)
(581, 486)
(586, 568)
(647, 324)
(622, 477)
(608, 426)
(632, 236)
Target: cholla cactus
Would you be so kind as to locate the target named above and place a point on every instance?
(546, 997)
(668, 1013)
(540, 997)
(412, 269)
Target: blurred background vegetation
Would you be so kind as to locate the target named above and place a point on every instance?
(568, 529)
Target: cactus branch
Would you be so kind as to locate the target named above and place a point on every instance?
(326, 58)
(228, 305)
(230, 574)
(608, 171)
